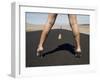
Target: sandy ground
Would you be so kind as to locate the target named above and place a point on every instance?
(83, 28)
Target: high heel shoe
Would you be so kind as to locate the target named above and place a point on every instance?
(78, 54)
(39, 52)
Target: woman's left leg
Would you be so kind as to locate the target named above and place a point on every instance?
(75, 30)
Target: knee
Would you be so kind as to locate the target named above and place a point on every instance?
(50, 23)
(76, 34)
(73, 22)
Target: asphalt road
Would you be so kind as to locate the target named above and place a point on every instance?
(57, 52)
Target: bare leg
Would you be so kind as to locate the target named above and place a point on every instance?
(75, 29)
(46, 29)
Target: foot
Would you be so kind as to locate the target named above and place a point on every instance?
(78, 53)
(39, 51)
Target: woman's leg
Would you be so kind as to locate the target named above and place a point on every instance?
(75, 29)
(46, 29)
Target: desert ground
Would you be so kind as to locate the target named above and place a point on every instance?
(84, 28)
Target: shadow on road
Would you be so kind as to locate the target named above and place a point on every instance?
(66, 46)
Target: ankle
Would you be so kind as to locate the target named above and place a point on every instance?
(40, 48)
(78, 50)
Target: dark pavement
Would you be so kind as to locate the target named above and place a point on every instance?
(57, 52)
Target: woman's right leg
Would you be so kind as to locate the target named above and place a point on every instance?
(46, 29)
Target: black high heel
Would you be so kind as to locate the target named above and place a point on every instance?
(78, 54)
(39, 53)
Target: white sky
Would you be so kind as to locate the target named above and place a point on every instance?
(41, 18)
